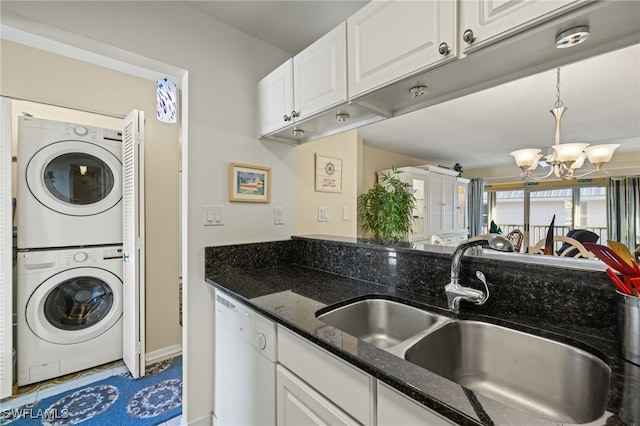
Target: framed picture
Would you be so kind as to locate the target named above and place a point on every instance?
(328, 174)
(249, 183)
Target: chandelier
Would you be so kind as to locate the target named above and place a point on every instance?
(567, 158)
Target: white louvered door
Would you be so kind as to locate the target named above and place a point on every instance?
(133, 315)
(6, 254)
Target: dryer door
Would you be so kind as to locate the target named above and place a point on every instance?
(75, 305)
(75, 178)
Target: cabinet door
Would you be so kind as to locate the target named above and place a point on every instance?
(462, 206)
(343, 384)
(395, 409)
(275, 93)
(435, 204)
(449, 212)
(492, 20)
(389, 40)
(300, 404)
(441, 199)
(418, 187)
(320, 74)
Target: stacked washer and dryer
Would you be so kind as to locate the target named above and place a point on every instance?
(69, 238)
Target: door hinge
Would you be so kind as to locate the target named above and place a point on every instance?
(138, 347)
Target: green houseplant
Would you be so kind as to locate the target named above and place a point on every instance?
(386, 210)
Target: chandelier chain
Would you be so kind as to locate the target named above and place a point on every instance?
(558, 103)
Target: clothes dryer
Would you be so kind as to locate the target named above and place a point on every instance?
(69, 184)
(69, 305)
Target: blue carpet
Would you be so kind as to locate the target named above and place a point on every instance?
(119, 400)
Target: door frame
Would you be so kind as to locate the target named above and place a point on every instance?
(55, 40)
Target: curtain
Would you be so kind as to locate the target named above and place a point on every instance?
(623, 210)
(476, 207)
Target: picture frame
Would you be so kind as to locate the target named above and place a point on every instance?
(328, 174)
(249, 183)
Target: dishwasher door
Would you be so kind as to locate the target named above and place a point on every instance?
(245, 365)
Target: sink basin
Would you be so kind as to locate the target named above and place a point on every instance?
(533, 374)
(380, 322)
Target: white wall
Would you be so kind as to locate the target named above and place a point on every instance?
(224, 66)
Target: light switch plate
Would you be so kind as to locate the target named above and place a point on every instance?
(345, 213)
(323, 214)
(278, 215)
(212, 215)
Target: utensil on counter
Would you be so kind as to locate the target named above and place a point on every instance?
(633, 283)
(623, 252)
(548, 244)
(610, 257)
(620, 284)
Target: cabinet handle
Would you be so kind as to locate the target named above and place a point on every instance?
(295, 114)
(286, 117)
(444, 49)
(468, 36)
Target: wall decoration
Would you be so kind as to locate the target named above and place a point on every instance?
(166, 105)
(328, 174)
(249, 183)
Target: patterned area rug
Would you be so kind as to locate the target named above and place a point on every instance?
(119, 400)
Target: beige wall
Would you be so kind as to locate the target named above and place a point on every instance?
(43, 77)
(375, 159)
(345, 147)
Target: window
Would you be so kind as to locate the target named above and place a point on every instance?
(531, 208)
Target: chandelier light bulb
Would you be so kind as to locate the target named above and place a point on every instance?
(599, 154)
(526, 157)
(569, 152)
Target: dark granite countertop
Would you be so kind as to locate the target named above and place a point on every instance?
(291, 295)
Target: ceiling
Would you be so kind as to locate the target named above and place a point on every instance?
(602, 94)
(289, 25)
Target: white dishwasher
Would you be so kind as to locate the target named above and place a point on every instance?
(245, 365)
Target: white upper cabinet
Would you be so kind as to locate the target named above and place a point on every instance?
(389, 40)
(483, 22)
(320, 74)
(276, 98)
(313, 81)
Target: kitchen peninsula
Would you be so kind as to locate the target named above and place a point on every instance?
(288, 281)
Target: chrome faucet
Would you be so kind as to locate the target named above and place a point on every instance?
(455, 292)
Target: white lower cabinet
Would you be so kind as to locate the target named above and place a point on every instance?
(395, 409)
(299, 404)
(314, 387)
(344, 386)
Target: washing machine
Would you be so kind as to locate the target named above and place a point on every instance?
(69, 306)
(69, 184)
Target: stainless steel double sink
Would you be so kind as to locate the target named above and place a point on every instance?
(548, 379)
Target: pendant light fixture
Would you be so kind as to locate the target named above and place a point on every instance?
(567, 158)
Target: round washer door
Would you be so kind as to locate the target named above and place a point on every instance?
(75, 305)
(75, 178)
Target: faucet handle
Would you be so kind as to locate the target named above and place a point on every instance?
(482, 278)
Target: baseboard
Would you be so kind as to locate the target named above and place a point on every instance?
(163, 353)
(207, 420)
